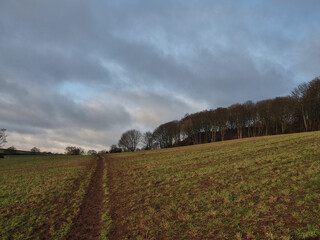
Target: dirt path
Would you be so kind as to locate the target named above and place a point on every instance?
(87, 224)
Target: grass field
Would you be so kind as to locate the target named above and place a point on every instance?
(41, 195)
(257, 188)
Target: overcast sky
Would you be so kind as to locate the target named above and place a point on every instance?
(83, 72)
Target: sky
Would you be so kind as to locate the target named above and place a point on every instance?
(83, 72)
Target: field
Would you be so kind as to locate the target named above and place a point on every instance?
(41, 195)
(256, 188)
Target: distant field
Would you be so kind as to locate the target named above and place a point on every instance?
(40, 195)
(256, 188)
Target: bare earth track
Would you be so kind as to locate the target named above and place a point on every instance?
(87, 224)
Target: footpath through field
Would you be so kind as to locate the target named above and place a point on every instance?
(87, 224)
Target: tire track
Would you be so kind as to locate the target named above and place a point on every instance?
(87, 225)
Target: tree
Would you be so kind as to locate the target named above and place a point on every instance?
(130, 140)
(167, 134)
(207, 123)
(238, 118)
(222, 121)
(73, 150)
(3, 137)
(188, 129)
(264, 114)
(295, 113)
(92, 152)
(299, 95)
(281, 110)
(115, 149)
(35, 150)
(11, 150)
(251, 118)
(147, 140)
(313, 103)
(212, 118)
(103, 151)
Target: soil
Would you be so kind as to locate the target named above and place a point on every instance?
(87, 225)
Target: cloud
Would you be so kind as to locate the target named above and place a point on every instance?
(81, 73)
(149, 108)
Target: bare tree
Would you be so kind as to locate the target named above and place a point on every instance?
(11, 150)
(104, 151)
(115, 149)
(237, 118)
(299, 94)
(3, 137)
(92, 152)
(73, 150)
(167, 134)
(211, 116)
(147, 140)
(130, 140)
(281, 111)
(313, 103)
(188, 130)
(251, 118)
(35, 150)
(264, 114)
(207, 125)
(222, 120)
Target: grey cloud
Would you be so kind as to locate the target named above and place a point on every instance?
(39, 63)
(309, 56)
(148, 62)
(48, 110)
(149, 108)
(235, 77)
(7, 87)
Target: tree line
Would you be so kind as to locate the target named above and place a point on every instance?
(298, 112)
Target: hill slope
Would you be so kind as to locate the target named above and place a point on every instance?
(259, 188)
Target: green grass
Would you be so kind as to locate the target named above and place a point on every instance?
(256, 188)
(40, 195)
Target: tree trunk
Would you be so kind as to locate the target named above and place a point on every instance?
(304, 119)
(214, 135)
